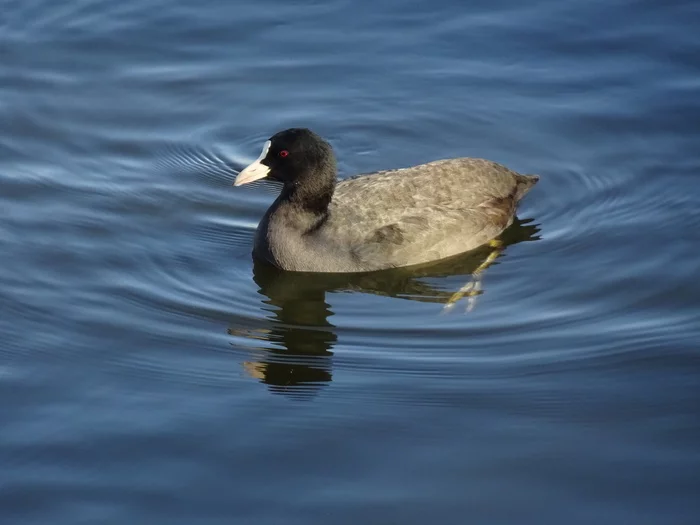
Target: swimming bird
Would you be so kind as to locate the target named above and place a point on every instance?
(369, 222)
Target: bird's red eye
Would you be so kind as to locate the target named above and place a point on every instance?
(284, 153)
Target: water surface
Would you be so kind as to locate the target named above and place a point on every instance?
(151, 372)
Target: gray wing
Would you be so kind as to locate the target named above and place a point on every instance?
(426, 212)
(437, 234)
(456, 183)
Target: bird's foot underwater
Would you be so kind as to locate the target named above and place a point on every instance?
(471, 291)
(473, 288)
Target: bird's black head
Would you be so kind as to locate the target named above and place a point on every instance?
(296, 157)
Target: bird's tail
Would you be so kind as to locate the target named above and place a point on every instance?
(524, 184)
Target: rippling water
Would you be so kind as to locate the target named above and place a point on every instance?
(152, 373)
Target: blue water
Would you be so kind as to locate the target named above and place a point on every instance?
(151, 373)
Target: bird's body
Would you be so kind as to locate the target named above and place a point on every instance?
(381, 220)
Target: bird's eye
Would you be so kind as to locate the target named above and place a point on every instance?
(284, 153)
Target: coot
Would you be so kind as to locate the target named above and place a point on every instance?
(374, 221)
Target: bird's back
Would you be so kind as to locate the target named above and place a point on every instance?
(419, 214)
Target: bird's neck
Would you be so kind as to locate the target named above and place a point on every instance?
(311, 194)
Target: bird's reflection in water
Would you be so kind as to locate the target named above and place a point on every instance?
(300, 360)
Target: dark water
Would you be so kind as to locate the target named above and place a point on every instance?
(151, 373)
